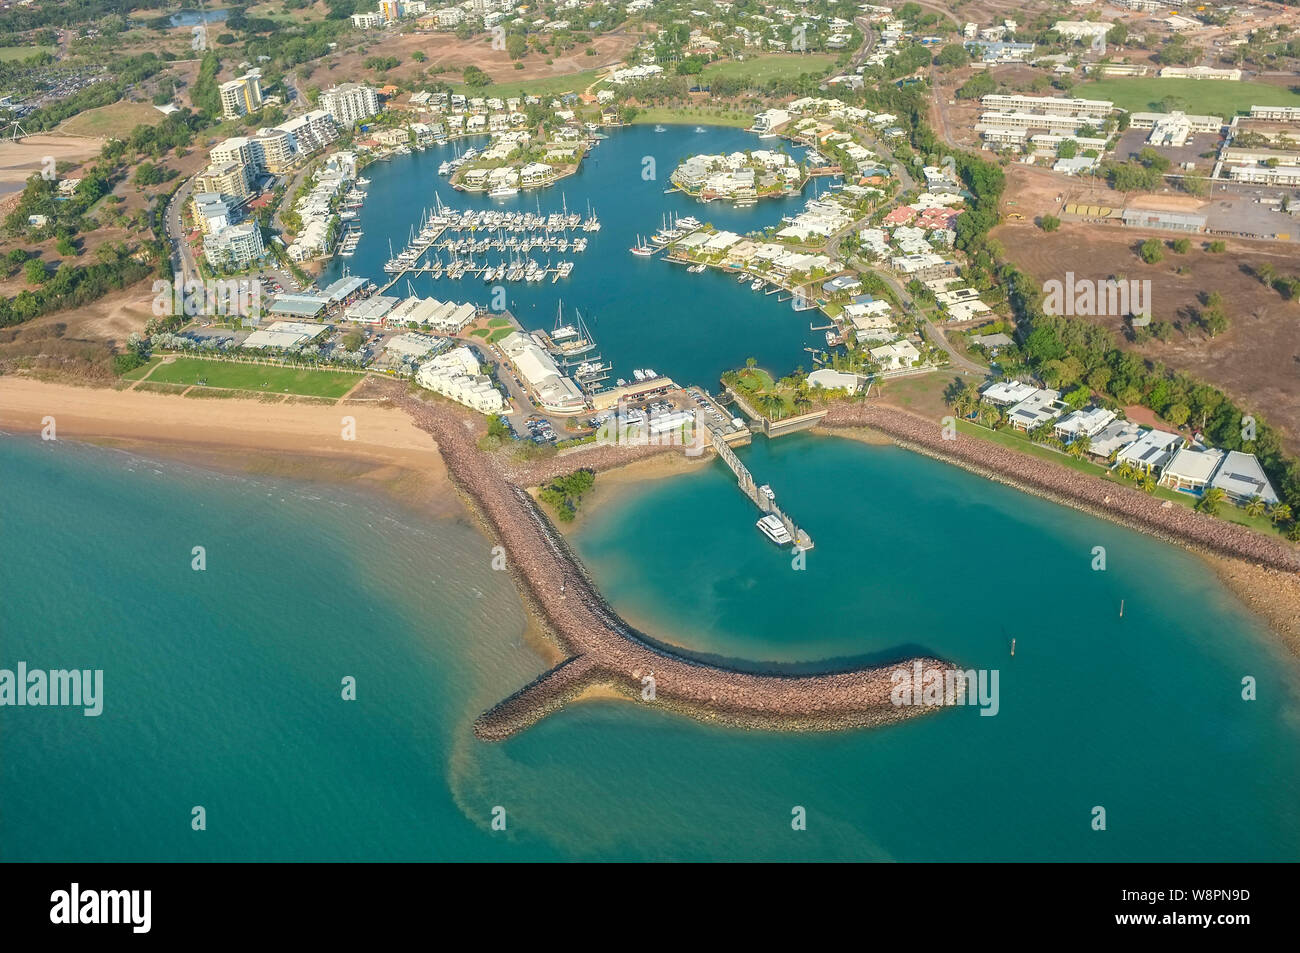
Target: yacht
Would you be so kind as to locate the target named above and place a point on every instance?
(641, 248)
(503, 192)
(696, 269)
(772, 527)
(756, 284)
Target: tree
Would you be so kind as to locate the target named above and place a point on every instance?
(954, 54)
(1280, 513)
(1125, 470)
(1049, 223)
(34, 272)
(516, 46)
(1147, 483)
(1210, 500)
(1255, 506)
(1151, 251)
(1181, 245)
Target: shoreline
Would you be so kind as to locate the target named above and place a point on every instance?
(1264, 574)
(396, 457)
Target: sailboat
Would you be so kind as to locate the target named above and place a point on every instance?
(641, 248)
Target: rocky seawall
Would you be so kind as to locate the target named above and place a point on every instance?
(604, 650)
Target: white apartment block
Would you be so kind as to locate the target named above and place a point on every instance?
(350, 103)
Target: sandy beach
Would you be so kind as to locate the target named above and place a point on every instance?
(293, 440)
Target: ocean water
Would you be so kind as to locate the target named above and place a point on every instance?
(222, 687)
(643, 312)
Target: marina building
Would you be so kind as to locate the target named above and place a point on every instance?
(538, 371)
(457, 374)
(285, 335)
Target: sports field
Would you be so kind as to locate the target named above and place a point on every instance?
(1208, 97)
(261, 378)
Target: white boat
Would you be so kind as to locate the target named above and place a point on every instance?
(503, 192)
(363, 181)
(661, 129)
(641, 248)
(756, 284)
(696, 269)
(772, 527)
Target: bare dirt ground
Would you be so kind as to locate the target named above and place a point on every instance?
(444, 49)
(1256, 361)
(21, 160)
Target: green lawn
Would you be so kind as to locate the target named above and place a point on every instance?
(1207, 97)
(703, 115)
(10, 54)
(499, 323)
(261, 378)
(761, 69)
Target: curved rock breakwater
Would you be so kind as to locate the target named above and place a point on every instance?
(604, 651)
(1101, 497)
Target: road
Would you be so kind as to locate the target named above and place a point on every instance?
(182, 255)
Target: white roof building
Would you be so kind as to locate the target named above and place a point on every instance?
(1240, 477)
(829, 379)
(1153, 449)
(551, 389)
(456, 374)
(1090, 422)
(1006, 393)
(1191, 468)
(1036, 409)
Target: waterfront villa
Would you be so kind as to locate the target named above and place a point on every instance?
(1191, 468)
(1006, 393)
(1036, 409)
(1088, 422)
(1240, 477)
(1152, 450)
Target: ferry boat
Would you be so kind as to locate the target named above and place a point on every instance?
(772, 527)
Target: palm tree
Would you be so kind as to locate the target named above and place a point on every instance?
(1125, 470)
(1281, 513)
(1147, 483)
(1255, 506)
(1210, 500)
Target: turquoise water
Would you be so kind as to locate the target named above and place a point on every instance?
(223, 687)
(643, 312)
